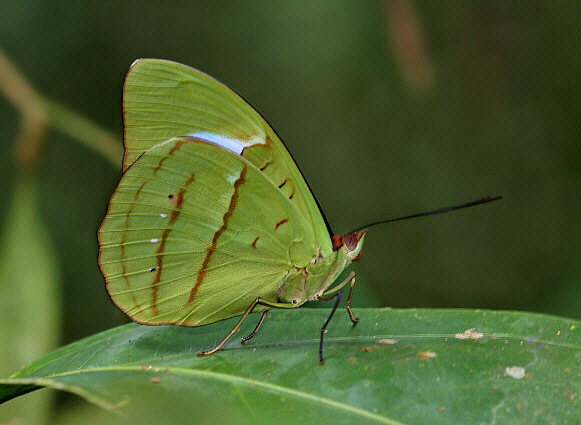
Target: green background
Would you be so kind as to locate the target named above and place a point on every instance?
(389, 108)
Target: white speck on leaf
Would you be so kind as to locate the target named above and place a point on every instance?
(425, 355)
(469, 334)
(516, 372)
(386, 341)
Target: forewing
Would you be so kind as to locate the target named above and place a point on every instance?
(164, 99)
(194, 233)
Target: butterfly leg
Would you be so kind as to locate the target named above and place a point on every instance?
(354, 319)
(351, 278)
(337, 297)
(246, 338)
(235, 328)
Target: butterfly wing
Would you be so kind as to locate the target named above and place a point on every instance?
(194, 233)
(164, 99)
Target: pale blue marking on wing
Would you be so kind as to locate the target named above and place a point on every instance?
(233, 145)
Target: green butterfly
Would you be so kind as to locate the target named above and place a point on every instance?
(212, 218)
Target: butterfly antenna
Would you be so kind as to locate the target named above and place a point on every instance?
(480, 201)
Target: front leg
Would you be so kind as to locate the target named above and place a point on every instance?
(351, 278)
(337, 297)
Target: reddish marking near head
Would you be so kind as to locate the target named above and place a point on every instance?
(337, 242)
(253, 244)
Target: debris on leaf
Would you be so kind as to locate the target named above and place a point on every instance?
(516, 372)
(469, 334)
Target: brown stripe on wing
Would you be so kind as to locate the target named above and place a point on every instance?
(288, 185)
(174, 148)
(280, 223)
(161, 247)
(212, 248)
(122, 246)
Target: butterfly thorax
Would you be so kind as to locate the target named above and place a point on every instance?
(302, 284)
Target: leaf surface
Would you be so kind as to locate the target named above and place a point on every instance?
(394, 366)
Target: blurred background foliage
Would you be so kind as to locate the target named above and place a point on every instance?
(389, 108)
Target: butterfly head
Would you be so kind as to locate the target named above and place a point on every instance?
(351, 243)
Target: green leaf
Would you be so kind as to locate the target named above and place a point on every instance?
(29, 306)
(395, 366)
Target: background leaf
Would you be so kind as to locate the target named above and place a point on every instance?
(29, 295)
(395, 366)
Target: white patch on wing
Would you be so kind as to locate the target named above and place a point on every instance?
(232, 179)
(233, 145)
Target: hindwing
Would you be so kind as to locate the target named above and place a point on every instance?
(194, 233)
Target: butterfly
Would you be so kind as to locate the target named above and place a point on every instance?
(212, 218)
